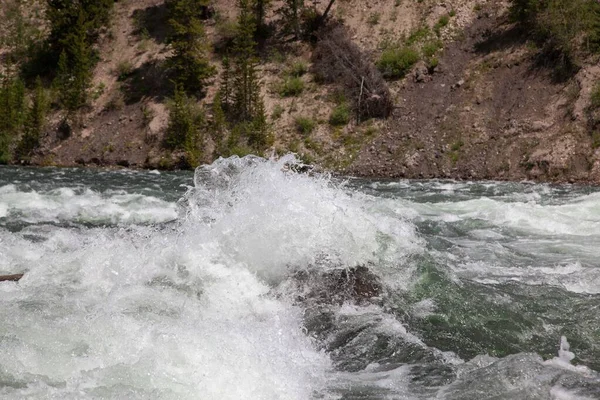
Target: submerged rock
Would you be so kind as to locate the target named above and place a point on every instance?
(356, 284)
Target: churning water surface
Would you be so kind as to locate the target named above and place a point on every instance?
(247, 280)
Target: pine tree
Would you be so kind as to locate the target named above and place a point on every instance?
(183, 131)
(247, 103)
(260, 11)
(225, 86)
(74, 74)
(64, 17)
(259, 137)
(74, 28)
(291, 12)
(189, 61)
(34, 122)
(219, 122)
(245, 64)
(12, 112)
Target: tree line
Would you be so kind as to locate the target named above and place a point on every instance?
(56, 71)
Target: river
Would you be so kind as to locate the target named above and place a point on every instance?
(247, 280)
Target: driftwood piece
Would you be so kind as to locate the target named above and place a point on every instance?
(10, 278)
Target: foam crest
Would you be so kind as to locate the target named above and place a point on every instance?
(579, 217)
(274, 219)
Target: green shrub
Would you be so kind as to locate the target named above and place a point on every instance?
(277, 112)
(298, 69)
(394, 63)
(417, 35)
(124, 70)
(340, 115)
(432, 63)
(373, 18)
(430, 48)
(305, 125)
(291, 87)
(595, 96)
(226, 31)
(442, 22)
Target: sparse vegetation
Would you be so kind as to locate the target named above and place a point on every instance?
(298, 69)
(288, 47)
(373, 18)
(124, 69)
(565, 30)
(441, 23)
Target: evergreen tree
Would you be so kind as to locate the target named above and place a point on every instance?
(64, 17)
(189, 61)
(260, 11)
(259, 135)
(225, 87)
(74, 74)
(291, 12)
(74, 27)
(183, 131)
(247, 103)
(245, 64)
(34, 122)
(12, 112)
(219, 122)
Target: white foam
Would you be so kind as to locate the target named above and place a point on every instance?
(69, 205)
(560, 393)
(184, 311)
(292, 220)
(580, 217)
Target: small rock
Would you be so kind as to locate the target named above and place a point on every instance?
(460, 83)
(421, 72)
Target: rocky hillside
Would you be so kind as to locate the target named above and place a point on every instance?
(472, 103)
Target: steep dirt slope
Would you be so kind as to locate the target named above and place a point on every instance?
(487, 112)
(126, 121)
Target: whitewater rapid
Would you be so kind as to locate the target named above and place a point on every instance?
(217, 286)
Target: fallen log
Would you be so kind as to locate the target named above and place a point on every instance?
(10, 278)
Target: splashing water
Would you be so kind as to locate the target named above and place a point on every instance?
(262, 283)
